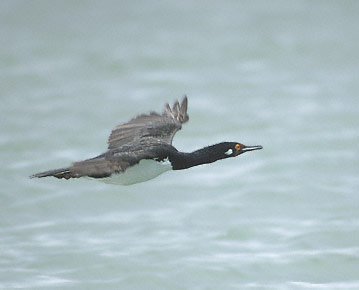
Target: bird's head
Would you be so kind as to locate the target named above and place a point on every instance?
(233, 149)
(209, 154)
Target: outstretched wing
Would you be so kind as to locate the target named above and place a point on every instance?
(156, 126)
(114, 161)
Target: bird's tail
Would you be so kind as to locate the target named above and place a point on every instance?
(97, 167)
(58, 173)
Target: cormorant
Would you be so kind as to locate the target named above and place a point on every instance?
(141, 149)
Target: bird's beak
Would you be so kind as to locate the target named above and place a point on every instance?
(251, 148)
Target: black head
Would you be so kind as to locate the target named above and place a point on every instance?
(233, 149)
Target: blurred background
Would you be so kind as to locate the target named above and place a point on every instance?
(282, 74)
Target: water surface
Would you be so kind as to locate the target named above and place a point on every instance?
(280, 74)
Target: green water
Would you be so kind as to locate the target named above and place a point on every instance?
(281, 74)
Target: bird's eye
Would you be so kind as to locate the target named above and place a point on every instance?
(237, 147)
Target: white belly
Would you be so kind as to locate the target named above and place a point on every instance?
(145, 170)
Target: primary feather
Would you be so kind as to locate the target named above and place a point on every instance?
(153, 126)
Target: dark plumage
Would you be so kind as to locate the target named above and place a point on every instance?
(147, 137)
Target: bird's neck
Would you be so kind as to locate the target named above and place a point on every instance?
(181, 160)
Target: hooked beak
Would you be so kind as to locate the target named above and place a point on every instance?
(251, 148)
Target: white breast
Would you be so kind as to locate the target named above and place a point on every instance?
(145, 170)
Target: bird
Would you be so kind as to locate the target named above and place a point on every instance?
(142, 149)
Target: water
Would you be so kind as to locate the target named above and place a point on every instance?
(280, 74)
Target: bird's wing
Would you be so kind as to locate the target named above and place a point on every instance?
(113, 161)
(152, 126)
(105, 165)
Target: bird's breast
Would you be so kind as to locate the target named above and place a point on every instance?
(145, 170)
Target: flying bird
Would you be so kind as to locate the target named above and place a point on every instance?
(142, 149)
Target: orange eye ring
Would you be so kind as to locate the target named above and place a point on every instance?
(237, 147)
